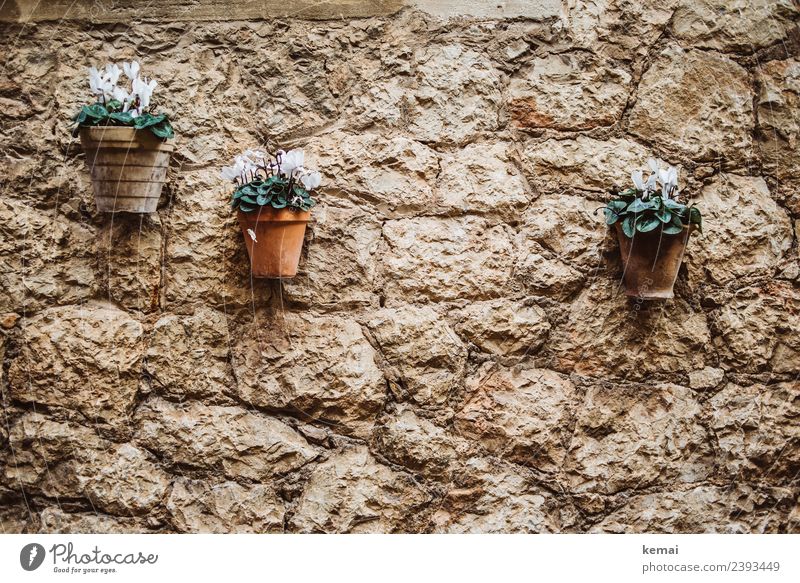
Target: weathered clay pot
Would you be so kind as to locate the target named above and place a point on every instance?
(278, 241)
(651, 262)
(128, 167)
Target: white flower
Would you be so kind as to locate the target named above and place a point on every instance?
(131, 69)
(99, 83)
(120, 95)
(112, 73)
(653, 164)
(252, 234)
(143, 89)
(650, 185)
(638, 181)
(95, 81)
(311, 180)
(233, 172)
(245, 163)
(290, 161)
(669, 179)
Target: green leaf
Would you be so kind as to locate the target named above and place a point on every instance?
(113, 105)
(96, 111)
(664, 215)
(122, 117)
(249, 190)
(629, 226)
(263, 199)
(696, 218)
(163, 130)
(611, 216)
(674, 227)
(246, 208)
(640, 205)
(674, 205)
(279, 203)
(248, 200)
(147, 120)
(647, 223)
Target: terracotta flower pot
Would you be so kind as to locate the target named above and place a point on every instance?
(279, 234)
(128, 167)
(651, 262)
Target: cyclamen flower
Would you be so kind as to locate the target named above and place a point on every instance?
(112, 73)
(144, 90)
(131, 70)
(233, 172)
(311, 180)
(291, 161)
(120, 95)
(99, 83)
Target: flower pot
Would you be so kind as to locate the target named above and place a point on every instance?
(651, 262)
(128, 167)
(279, 235)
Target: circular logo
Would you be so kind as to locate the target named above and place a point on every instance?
(31, 556)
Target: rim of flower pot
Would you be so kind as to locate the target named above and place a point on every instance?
(114, 134)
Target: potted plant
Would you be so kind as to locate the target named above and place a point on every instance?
(653, 226)
(124, 143)
(273, 200)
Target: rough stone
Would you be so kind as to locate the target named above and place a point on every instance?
(632, 437)
(568, 91)
(583, 164)
(759, 330)
(542, 273)
(129, 255)
(87, 358)
(778, 130)
(351, 492)
(226, 507)
(568, 227)
(452, 95)
(616, 28)
(56, 521)
(702, 509)
(230, 439)
(417, 444)
(425, 360)
(481, 179)
(680, 111)
(45, 258)
(392, 173)
(320, 369)
(706, 378)
(502, 327)
(338, 266)
(189, 356)
(492, 497)
(521, 414)
(746, 232)
(446, 259)
(604, 333)
(65, 460)
(733, 25)
(755, 431)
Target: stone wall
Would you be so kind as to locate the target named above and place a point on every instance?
(455, 355)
